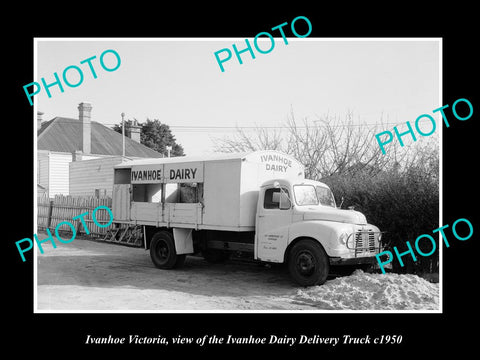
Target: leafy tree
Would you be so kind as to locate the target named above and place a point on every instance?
(156, 136)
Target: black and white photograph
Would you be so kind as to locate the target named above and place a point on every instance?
(275, 183)
(280, 183)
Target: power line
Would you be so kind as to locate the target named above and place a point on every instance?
(198, 127)
(219, 128)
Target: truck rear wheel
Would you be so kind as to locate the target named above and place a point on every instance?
(308, 263)
(162, 251)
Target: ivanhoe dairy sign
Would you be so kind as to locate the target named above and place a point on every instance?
(276, 162)
(167, 173)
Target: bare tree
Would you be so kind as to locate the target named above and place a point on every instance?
(258, 138)
(327, 146)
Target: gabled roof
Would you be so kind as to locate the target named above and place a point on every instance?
(65, 135)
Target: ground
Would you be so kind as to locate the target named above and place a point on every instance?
(92, 275)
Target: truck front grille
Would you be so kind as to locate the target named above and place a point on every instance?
(365, 242)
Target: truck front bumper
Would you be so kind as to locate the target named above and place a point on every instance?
(353, 261)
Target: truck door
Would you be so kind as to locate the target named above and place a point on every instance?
(273, 221)
(121, 202)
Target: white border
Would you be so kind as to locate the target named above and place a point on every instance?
(35, 182)
(35, 283)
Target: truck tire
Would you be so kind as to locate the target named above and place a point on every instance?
(308, 263)
(162, 251)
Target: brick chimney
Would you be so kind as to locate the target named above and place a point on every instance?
(76, 155)
(39, 120)
(84, 115)
(133, 131)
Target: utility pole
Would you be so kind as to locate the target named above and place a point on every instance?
(123, 134)
(169, 148)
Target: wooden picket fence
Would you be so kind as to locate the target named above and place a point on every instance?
(64, 208)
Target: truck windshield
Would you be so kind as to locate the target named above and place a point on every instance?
(325, 196)
(305, 195)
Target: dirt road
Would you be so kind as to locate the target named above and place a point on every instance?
(90, 275)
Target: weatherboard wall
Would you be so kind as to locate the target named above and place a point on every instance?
(89, 175)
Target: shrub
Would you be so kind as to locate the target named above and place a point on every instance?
(404, 204)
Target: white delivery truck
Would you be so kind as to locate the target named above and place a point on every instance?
(257, 203)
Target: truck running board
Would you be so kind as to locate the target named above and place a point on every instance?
(230, 245)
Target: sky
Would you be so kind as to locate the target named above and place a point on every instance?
(179, 82)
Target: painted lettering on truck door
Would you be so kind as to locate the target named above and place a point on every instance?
(272, 225)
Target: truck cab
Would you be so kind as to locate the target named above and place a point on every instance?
(298, 222)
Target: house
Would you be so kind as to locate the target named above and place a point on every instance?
(75, 156)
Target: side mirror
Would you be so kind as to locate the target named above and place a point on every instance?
(285, 203)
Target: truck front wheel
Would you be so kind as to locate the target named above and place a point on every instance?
(308, 263)
(162, 251)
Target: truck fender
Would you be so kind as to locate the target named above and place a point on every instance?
(183, 241)
(321, 231)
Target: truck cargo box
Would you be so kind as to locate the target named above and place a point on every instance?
(217, 192)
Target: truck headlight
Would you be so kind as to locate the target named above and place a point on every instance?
(343, 238)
